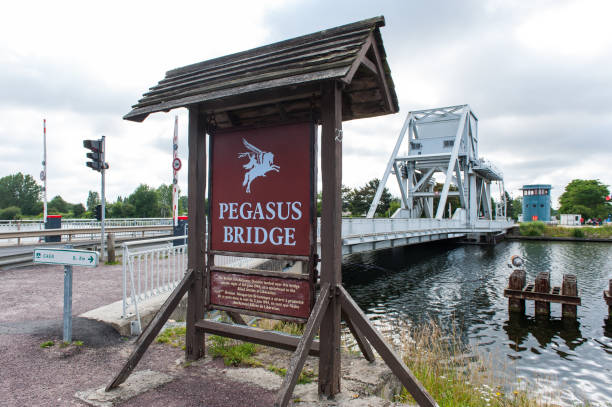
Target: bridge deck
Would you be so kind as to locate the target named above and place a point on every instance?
(362, 234)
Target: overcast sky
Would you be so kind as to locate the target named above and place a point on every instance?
(538, 74)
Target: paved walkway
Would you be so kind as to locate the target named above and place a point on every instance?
(31, 308)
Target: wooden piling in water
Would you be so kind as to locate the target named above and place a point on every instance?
(542, 285)
(608, 298)
(517, 281)
(569, 288)
(540, 291)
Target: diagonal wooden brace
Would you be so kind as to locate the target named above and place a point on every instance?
(362, 342)
(153, 329)
(299, 357)
(392, 360)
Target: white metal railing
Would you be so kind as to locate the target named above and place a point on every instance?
(151, 267)
(155, 266)
(39, 224)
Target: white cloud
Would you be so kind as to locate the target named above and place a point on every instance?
(537, 74)
(575, 29)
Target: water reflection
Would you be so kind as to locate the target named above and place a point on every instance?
(462, 286)
(545, 331)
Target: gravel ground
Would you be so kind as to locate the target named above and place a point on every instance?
(31, 307)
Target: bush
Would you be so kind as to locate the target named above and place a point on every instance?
(532, 228)
(10, 213)
(577, 233)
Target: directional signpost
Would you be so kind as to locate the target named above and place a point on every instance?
(68, 257)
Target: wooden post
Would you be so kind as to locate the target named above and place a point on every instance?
(608, 298)
(542, 285)
(517, 281)
(194, 340)
(569, 287)
(331, 238)
(110, 247)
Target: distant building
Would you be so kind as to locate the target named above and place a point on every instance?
(570, 219)
(536, 202)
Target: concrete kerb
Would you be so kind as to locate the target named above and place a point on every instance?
(138, 383)
(111, 314)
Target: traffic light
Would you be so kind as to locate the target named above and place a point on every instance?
(98, 212)
(97, 148)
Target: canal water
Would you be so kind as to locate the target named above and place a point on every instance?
(463, 285)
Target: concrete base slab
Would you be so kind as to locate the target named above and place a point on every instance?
(363, 384)
(111, 314)
(139, 382)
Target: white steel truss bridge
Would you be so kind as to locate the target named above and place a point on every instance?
(440, 161)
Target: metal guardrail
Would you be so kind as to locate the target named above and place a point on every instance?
(33, 224)
(86, 233)
(155, 266)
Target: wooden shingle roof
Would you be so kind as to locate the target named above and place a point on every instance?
(282, 81)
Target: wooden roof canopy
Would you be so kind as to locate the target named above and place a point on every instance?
(282, 81)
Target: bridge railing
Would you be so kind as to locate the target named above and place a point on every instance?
(34, 233)
(493, 224)
(39, 224)
(365, 226)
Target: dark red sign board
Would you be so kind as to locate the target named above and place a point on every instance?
(262, 190)
(272, 295)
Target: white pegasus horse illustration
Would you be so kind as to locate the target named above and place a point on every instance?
(260, 162)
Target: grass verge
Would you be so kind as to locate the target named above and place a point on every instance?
(455, 374)
(538, 228)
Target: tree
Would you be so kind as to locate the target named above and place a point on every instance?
(453, 201)
(58, 205)
(346, 193)
(394, 206)
(93, 199)
(515, 208)
(360, 199)
(10, 213)
(183, 204)
(21, 191)
(585, 197)
(164, 198)
(144, 201)
(78, 210)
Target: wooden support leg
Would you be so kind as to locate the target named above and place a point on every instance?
(517, 281)
(331, 235)
(194, 338)
(392, 360)
(569, 287)
(299, 357)
(542, 285)
(362, 342)
(153, 329)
